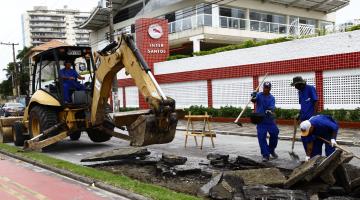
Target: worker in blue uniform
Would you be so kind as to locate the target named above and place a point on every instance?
(323, 126)
(265, 104)
(308, 98)
(69, 77)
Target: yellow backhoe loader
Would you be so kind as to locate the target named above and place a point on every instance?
(48, 118)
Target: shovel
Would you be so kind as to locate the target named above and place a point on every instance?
(339, 147)
(292, 154)
(242, 112)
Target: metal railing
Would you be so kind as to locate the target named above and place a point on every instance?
(190, 23)
(293, 29)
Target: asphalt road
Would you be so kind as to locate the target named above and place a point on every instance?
(74, 151)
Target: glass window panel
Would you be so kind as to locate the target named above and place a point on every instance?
(225, 12)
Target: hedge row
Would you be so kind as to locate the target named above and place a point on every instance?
(353, 28)
(242, 45)
(233, 112)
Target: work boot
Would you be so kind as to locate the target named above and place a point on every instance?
(265, 158)
(274, 155)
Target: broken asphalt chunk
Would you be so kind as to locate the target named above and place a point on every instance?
(229, 187)
(242, 162)
(118, 154)
(264, 192)
(348, 176)
(302, 171)
(205, 189)
(263, 176)
(173, 160)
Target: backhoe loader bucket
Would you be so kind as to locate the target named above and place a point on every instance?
(146, 130)
(6, 123)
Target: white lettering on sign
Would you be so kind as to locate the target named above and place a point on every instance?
(156, 45)
(151, 51)
(156, 48)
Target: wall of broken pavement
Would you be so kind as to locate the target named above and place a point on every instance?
(241, 177)
(331, 63)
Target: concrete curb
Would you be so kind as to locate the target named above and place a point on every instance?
(83, 179)
(281, 137)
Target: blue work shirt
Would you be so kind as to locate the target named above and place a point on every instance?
(68, 73)
(263, 103)
(324, 126)
(307, 99)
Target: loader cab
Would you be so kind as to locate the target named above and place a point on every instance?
(48, 65)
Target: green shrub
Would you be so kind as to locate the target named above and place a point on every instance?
(354, 115)
(340, 115)
(229, 111)
(353, 28)
(127, 109)
(243, 45)
(179, 56)
(233, 112)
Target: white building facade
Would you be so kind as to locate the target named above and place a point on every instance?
(42, 25)
(196, 25)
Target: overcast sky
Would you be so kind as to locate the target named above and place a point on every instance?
(11, 31)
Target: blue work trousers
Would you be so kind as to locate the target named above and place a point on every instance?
(318, 145)
(262, 130)
(71, 85)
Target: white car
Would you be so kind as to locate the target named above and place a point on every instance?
(13, 109)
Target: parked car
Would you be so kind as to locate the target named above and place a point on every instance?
(13, 109)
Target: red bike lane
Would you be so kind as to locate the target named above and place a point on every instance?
(22, 181)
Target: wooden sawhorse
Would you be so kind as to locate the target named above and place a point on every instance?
(203, 133)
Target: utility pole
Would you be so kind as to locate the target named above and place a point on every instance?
(112, 39)
(15, 74)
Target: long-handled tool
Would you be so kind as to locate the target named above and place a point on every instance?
(242, 112)
(339, 147)
(292, 154)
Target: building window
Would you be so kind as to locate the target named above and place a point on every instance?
(204, 14)
(232, 18)
(267, 22)
(170, 17)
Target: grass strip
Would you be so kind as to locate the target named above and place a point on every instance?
(124, 182)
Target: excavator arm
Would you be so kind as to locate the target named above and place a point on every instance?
(154, 127)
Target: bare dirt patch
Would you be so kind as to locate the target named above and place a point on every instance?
(189, 184)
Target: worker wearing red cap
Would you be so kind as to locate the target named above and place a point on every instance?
(265, 104)
(323, 126)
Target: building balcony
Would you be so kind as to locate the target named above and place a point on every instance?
(46, 20)
(49, 36)
(48, 31)
(232, 30)
(43, 25)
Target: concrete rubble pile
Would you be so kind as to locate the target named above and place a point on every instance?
(241, 178)
(320, 178)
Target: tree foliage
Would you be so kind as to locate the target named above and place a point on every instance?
(23, 74)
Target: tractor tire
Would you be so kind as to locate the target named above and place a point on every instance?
(18, 130)
(75, 136)
(97, 135)
(40, 119)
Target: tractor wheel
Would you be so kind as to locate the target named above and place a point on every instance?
(97, 135)
(18, 129)
(42, 118)
(75, 135)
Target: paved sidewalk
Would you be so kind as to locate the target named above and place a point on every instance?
(20, 180)
(345, 136)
